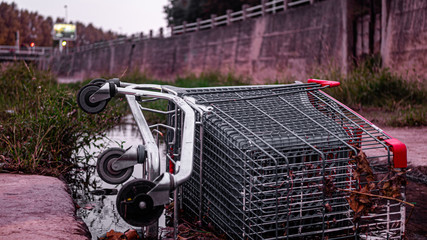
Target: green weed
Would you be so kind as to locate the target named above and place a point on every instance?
(41, 126)
(371, 86)
(409, 117)
(207, 79)
(210, 79)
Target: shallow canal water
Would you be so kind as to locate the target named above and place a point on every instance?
(95, 198)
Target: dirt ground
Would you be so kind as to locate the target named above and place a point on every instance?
(416, 228)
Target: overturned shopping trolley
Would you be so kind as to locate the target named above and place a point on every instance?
(258, 162)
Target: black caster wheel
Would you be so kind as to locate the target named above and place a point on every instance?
(98, 81)
(83, 99)
(105, 170)
(135, 206)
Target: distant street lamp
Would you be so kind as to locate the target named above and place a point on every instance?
(62, 44)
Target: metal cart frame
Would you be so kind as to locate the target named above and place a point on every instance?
(192, 135)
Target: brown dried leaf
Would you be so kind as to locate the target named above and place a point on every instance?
(328, 186)
(113, 235)
(354, 205)
(386, 185)
(328, 207)
(364, 199)
(132, 234)
(360, 208)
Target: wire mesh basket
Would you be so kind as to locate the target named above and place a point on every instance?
(265, 157)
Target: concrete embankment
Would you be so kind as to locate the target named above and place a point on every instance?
(37, 207)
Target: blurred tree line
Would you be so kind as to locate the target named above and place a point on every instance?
(178, 11)
(33, 27)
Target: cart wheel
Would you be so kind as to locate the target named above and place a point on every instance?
(135, 206)
(83, 99)
(105, 170)
(98, 81)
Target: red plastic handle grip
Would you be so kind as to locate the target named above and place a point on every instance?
(324, 82)
(399, 152)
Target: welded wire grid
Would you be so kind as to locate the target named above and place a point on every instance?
(263, 156)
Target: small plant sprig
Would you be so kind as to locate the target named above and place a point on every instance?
(363, 201)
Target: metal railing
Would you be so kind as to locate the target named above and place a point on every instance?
(161, 33)
(25, 50)
(9, 53)
(266, 7)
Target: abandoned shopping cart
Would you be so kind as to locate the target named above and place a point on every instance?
(256, 162)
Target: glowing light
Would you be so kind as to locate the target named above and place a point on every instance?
(32, 44)
(64, 43)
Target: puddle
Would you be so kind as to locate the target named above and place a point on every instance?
(97, 199)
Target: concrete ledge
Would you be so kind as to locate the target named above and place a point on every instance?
(37, 207)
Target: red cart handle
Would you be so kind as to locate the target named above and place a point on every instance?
(325, 82)
(399, 152)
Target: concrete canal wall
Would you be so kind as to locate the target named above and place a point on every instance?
(290, 43)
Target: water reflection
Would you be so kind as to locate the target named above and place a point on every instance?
(96, 198)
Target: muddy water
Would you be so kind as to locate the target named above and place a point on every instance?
(95, 198)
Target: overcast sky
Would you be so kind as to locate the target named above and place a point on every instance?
(120, 16)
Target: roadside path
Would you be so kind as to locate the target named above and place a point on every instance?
(415, 140)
